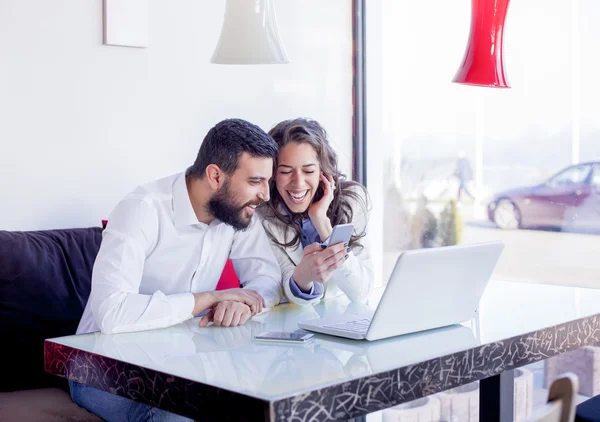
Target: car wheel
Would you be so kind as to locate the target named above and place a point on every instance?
(507, 215)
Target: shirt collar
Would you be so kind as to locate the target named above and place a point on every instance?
(290, 214)
(183, 212)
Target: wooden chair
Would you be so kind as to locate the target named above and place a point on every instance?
(561, 401)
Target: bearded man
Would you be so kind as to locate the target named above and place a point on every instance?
(165, 246)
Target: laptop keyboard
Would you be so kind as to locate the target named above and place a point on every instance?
(356, 326)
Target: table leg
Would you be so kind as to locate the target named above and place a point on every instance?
(496, 397)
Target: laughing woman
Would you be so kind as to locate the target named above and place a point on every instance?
(309, 196)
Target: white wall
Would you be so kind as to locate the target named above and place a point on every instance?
(82, 124)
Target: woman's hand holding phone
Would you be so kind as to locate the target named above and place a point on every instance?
(317, 264)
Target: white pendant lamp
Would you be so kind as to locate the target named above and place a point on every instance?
(249, 34)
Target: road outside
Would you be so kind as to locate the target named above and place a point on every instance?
(535, 256)
(541, 256)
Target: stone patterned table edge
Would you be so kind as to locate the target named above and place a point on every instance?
(379, 391)
(175, 394)
(340, 401)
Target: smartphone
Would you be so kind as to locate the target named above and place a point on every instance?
(280, 336)
(340, 234)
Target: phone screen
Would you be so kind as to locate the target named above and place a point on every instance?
(340, 234)
(284, 336)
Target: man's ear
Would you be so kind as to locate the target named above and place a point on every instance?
(215, 176)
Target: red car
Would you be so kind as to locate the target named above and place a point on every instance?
(569, 199)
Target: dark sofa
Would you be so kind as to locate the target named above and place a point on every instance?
(44, 285)
(45, 281)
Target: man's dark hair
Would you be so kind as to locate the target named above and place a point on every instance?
(224, 144)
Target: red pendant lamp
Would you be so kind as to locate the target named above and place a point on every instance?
(483, 62)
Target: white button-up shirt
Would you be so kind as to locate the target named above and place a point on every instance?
(155, 253)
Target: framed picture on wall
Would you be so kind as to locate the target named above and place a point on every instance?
(126, 23)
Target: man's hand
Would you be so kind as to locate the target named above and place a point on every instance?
(247, 296)
(317, 264)
(204, 301)
(227, 314)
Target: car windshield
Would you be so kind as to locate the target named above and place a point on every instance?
(596, 176)
(571, 176)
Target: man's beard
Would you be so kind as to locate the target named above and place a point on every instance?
(224, 207)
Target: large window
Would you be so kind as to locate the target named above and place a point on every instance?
(466, 164)
(453, 164)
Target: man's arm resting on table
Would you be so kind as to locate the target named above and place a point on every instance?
(203, 301)
(208, 300)
(116, 304)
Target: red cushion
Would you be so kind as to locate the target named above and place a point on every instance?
(229, 279)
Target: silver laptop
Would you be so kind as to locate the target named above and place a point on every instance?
(428, 288)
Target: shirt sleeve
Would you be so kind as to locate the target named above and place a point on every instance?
(315, 291)
(117, 306)
(255, 264)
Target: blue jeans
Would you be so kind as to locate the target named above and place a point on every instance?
(113, 408)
